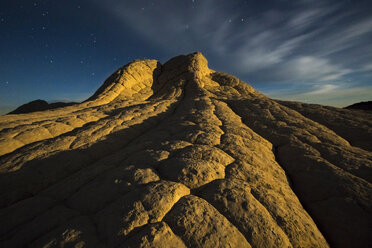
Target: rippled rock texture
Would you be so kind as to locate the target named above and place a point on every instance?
(179, 155)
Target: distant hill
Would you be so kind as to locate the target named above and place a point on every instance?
(39, 105)
(361, 106)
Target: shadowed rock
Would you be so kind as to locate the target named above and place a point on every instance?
(39, 105)
(179, 155)
(361, 106)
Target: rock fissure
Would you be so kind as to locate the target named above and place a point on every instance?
(259, 243)
(133, 139)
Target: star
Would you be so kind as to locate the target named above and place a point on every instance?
(93, 73)
(229, 20)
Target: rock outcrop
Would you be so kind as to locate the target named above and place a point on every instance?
(39, 105)
(361, 106)
(179, 155)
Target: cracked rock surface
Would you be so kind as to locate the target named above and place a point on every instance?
(179, 155)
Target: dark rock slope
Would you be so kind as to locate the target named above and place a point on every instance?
(354, 126)
(179, 155)
(39, 105)
(361, 106)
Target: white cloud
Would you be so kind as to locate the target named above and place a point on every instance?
(324, 89)
(292, 46)
(311, 68)
(367, 67)
(305, 18)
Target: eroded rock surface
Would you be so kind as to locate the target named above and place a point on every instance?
(179, 155)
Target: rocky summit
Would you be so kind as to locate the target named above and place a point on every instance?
(179, 155)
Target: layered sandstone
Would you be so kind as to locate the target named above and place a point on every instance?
(179, 155)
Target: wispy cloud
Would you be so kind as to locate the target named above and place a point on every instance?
(310, 69)
(311, 42)
(366, 67)
(324, 89)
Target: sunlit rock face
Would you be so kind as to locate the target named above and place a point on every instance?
(179, 155)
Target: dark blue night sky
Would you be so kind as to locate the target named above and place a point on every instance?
(310, 51)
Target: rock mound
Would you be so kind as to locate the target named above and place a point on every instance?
(361, 106)
(179, 155)
(39, 105)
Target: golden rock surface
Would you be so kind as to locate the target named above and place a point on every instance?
(179, 155)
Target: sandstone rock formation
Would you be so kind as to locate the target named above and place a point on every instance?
(39, 105)
(179, 155)
(361, 106)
